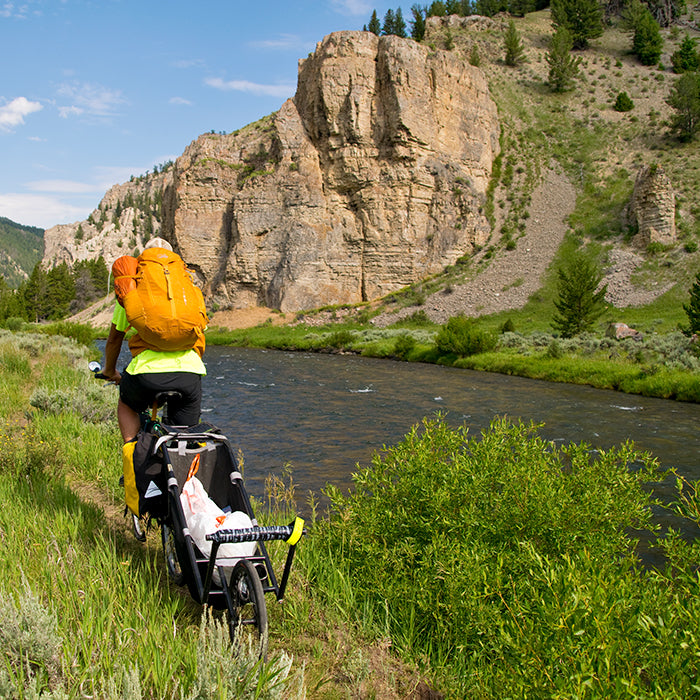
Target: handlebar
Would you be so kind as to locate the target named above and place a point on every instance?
(291, 533)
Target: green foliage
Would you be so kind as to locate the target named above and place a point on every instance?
(474, 56)
(540, 537)
(21, 245)
(341, 339)
(685, 100)
(563, 67)
(648, 43)
(462, 336)
(515, 51)
(686, 57)
(79, 628)
(53, 294)
(580, 301)
(692, 308)
(623, 102)
(583, 19)
(632, 14)
(417, 22)
(394, 23)
(404, 345)
(80, 332)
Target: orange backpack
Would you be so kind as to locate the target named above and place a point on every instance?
(162, 303)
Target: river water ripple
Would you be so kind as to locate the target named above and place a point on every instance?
(324, 414)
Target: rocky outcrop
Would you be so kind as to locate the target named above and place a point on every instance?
(372, 177)
(652, 209)
(128, 215)
(622, 330)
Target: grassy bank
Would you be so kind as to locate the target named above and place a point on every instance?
(481, 566)
(660, 363)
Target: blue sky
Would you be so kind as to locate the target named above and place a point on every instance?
(95, 91)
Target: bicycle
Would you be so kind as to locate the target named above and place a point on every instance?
(228, 577)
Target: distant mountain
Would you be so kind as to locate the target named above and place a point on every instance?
(21, 248)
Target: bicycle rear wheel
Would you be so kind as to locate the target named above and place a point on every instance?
(172, 563)
(250, 610)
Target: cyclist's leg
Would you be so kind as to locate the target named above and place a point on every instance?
(129, 421)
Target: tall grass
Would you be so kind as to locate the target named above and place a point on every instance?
(499, 564)
(84, 610)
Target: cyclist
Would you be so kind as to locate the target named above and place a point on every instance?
(150, 372)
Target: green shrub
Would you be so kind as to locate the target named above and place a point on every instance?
(340, 339)
(623, 103)
(507, 326)
(14, 324)
(520, 555)
(80, 332)
(462, 336)
(403, 345)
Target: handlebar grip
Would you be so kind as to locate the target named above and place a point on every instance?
(100, 376)
(289, 533)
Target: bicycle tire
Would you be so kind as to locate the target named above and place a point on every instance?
(172, 562)
(250, 610)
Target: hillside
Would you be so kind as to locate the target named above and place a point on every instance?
(569, 166)
(21, 248)
(566, 172)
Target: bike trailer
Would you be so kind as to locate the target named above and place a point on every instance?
(231, 570)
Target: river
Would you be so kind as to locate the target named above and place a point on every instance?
(323, 414)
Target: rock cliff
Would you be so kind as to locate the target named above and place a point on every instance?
(372, 177)
(652, 209)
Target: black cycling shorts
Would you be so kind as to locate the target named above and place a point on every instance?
(138, 391)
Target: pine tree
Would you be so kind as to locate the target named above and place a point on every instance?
(623, 103)
(648, 42)
(686, 58)
(399, 24)
(515, 51)
(374, 25)
(563, 67)
(418, 23)
(578, 305)
(389, 23)
(33, 294)
(9, 302)
(692, 308)
(437, 9)
(685, 99)
(519, 8)
(583, 18)
(60, 291)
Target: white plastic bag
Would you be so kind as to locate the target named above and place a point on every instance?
(205, 517)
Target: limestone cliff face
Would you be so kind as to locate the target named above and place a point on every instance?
(373, 176)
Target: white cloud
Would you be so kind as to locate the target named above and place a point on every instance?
(189, 63)
(13, 113)
(63, 187)
(11, 9)
(39, 210)
(179, 101)
(353, 7)
(88, 98)
(252, 88)
(284, 41)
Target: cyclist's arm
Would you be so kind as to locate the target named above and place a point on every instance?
(112, 348)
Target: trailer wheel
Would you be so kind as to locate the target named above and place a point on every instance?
(250, 611)
(172, 563)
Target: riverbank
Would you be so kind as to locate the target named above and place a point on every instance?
(541, 537)
(661, 365)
